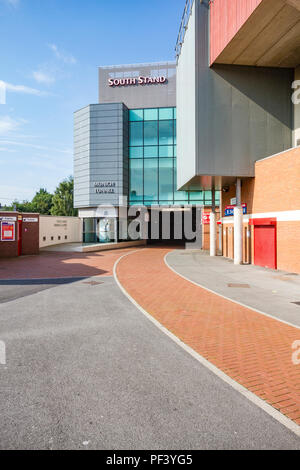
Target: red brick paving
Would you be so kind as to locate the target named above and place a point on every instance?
(253, 349)
(50, 265)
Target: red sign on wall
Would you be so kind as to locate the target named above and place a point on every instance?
(7, 231)
(206, 218)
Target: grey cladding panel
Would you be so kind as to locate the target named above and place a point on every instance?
(242, 113)
(103, 158)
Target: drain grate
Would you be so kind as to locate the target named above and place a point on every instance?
(239, 286)
(93, 283)
(296, 303)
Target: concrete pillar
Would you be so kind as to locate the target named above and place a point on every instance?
(296, 133)
(213, 234)
(238, 192)
(115, 230)
(238, 225)
(213, 225)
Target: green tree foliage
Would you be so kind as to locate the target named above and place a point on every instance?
(24, 206)
(59, 204)
(42, 202)
(63, 199)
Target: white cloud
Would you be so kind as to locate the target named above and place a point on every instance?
(22, 89)
(7, 124)
(43, 77)
(4, 149)
(13, 3)
(10, 193)
(15, 143)
(65, 57)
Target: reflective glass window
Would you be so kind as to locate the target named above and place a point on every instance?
(151, 114)
(196, 196)
(165, 113)
(151, 203)
(181, 197)
(151, 152)
(166, 132)
(136, 134)
(150, 133)
(166, 185)
(175, 133)
(208, 198)
(136, 180)
(136, 152)
(136, 115)
(151, 179)
(166, 151)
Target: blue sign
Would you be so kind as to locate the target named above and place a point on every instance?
(229, 210)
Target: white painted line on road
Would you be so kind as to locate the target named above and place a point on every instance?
(228, 298)
(289, 424)
(53, 278)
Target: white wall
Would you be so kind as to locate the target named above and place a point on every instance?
(296, 134)
(59, 230)
(186, 105)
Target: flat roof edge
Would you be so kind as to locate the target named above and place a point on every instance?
(146, 64)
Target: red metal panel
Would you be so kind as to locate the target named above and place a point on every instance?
(268, 221)
(265, 245)
(226, 18)
(19, 236)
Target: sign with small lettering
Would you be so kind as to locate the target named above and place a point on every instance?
(105, 187)
(229, 210)
(30, 219)
(117, 82)
(8, 219)
(206, 218)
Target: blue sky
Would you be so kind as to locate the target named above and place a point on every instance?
(50, 50)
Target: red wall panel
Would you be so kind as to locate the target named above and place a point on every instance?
(265, 246)
(226, 18)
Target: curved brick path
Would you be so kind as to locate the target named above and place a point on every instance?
(49, 265)
(251, 348)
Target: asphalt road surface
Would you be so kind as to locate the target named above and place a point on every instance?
(85, 369)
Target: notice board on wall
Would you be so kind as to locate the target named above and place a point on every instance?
(8, 231)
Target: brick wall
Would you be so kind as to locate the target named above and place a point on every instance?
(26, 230)
(275, 188)
(277, 183)
(9, 249)
(206, 231)
(288, 246)
(30, 234)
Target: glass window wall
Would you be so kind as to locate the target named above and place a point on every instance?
(152, 153)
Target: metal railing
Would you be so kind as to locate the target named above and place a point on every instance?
(184, 23)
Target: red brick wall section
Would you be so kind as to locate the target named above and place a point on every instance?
(30, 234)
(288, 246)
(206, 231)
(9, 249)
(247, 194)
(276, 188)
(277, 183)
